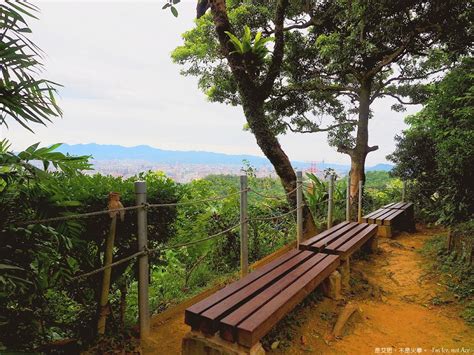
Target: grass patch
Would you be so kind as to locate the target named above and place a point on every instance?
(454, 270)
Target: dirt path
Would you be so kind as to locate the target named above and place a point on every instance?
(393, 294)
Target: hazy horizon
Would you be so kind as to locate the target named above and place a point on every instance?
(120, 87)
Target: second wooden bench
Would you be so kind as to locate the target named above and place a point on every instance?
(397, 215)
(344, 239)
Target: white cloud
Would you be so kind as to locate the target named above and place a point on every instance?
(120, 86)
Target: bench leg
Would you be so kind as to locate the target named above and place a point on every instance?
(385, 231)
(196, 343)
(332, 286)
(372, 245)
(345, 271)
(411, 220)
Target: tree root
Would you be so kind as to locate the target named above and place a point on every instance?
(344, 316)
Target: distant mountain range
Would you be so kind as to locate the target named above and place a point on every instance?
(156, 155)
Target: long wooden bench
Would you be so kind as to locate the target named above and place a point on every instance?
(244, 311)
(396, 215)
(343, 239)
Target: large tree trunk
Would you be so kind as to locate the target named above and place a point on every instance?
(359, 153)
(253, 95)
(270, 146)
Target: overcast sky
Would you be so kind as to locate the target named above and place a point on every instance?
(120, 87)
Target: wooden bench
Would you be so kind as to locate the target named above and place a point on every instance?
(343, 239)
(244, 311)
(396, 215)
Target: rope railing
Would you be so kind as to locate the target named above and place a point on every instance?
(197, 241)
(268, 218)
(143, 207)
(152, 251)
(147, 205)
(194, 202)
(115, 263)
(273, 197)
(77, 216)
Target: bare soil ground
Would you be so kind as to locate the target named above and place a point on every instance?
(393, 293)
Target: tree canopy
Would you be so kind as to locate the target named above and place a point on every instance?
(339, 56)
(437, 152)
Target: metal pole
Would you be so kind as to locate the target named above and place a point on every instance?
(299, 206)
(143, 272)
(404, 190)
(244, 228)
(331, 200)
(359, 207)
(348, 198)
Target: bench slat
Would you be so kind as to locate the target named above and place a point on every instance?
(357, 241)
(380, 219)
(209, 319)
(320, 244)
(371, 214)
(192, 313)
(259, 323)
(398, 205)
(390, 219)
(305, 245)
(380, 213)
(228, 330)
(348, 239)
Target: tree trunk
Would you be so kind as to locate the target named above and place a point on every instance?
(270, 146)
(359, 153)
(253, 95)
(357, 174)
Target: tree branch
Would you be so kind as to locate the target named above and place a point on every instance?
(386, 60)
(398, 98)
(416, 77)
(317, 129)
(278, 50)
(222, 24)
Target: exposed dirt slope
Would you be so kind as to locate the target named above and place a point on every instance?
(394, 294)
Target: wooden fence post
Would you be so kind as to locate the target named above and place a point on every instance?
(244, 228)
(348, 198)
(330, 200)
(104, 295)
(404, 190)
(359, 206)
(143, 271)
(299, 206)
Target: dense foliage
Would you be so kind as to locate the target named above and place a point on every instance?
(437, 152)
(453, 264)
(40, 301)
(24, 96)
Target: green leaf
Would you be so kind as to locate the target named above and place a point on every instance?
(174, 11)
(10, 267)
(235, 41)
